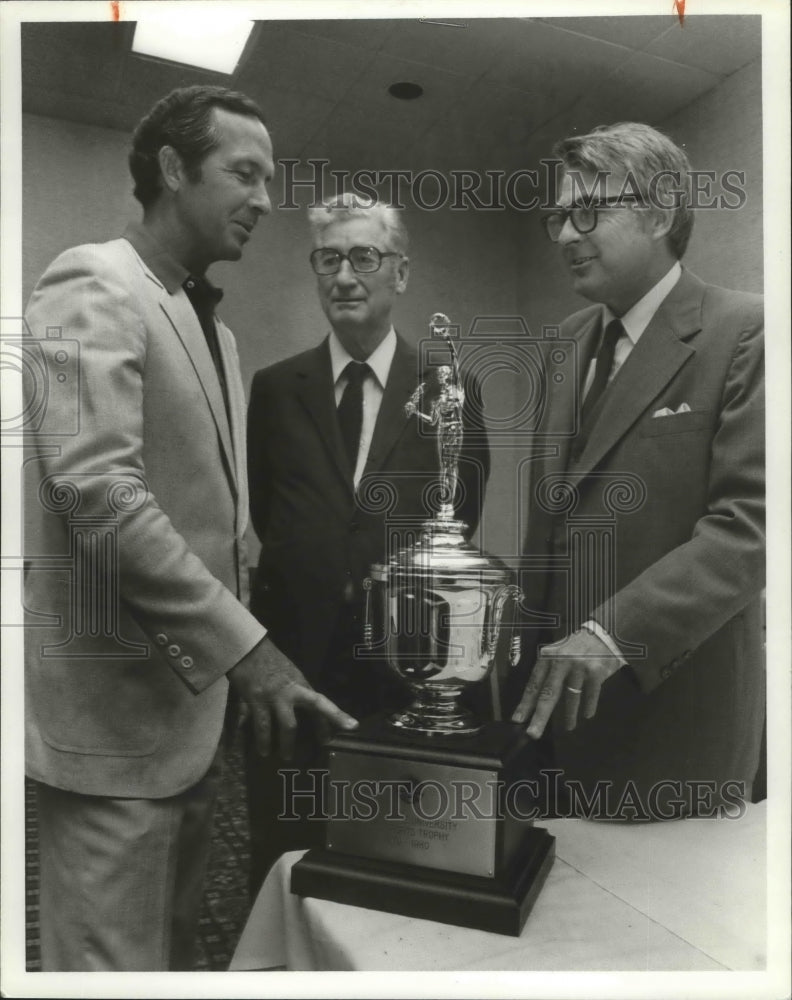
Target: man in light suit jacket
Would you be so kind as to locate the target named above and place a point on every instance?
(134, 538)
(323, 504)
(650, 511)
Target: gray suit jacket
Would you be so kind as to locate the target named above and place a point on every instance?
(661, 524)
(134, 533)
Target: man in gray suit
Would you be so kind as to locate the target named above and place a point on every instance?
(130, 652)
(652, 508)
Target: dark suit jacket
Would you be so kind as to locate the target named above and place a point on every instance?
(316, 534)
(671, 561)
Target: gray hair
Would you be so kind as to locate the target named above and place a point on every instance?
(349, 206)
(657, 166)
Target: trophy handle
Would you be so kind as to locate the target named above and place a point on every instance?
(515, 649)
(368, 642)
(492, 633)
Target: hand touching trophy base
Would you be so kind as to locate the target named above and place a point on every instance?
(432, 809)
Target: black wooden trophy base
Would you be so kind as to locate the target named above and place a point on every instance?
(484, 872)
(500, 905)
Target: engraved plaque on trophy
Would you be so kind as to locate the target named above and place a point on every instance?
(432, 809)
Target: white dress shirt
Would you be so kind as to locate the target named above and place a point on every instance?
(634, 321)
(379, 361)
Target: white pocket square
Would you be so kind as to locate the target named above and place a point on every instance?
(668, 412)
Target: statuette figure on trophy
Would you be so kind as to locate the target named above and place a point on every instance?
(446, 414)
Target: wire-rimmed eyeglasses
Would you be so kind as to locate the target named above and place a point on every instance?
(364, 260)
(584, 217)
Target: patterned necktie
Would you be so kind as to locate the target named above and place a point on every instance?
(602, 369)
(350, 409)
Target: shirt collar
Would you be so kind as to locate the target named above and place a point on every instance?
(639, 316)
(202, 291)
(164, 266)
(379, 360)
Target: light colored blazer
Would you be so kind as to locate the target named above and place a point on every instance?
(134, 533)
(679, 585)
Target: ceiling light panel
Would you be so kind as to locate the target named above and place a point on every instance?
(206, 39)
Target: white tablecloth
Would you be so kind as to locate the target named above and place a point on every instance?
(676, 896)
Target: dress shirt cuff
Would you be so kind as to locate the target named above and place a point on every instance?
(596, 629)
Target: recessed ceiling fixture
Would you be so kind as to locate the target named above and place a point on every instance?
(405, 91)
(209, 39)
(445, 24)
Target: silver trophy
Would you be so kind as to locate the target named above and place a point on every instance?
(441, 611)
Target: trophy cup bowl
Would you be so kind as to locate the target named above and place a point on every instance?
(442, 614)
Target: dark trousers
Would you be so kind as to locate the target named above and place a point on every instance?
(285, 799)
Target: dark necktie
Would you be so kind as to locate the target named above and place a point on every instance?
(350, 409)
(602, 369)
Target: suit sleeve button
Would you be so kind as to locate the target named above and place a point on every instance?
(162, 638)
(187, 662)
(174, 650)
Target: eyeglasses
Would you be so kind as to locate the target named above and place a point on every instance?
(364, 260)
(584, 217)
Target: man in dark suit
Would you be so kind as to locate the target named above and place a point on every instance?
(137, 584)
(651, 510)
(334, 464)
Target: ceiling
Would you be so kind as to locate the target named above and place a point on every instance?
(496, 91)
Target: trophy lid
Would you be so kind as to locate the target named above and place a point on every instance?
(442, 551)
